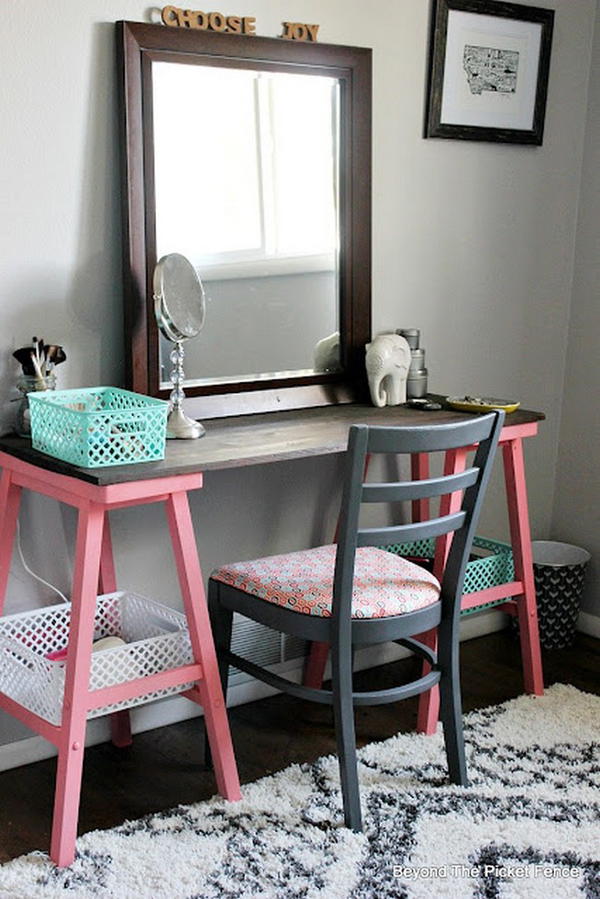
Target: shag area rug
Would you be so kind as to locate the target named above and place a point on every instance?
(527, 826)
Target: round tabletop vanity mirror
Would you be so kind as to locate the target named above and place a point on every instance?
(180, 309)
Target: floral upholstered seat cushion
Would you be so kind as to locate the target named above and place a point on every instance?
(384, 584)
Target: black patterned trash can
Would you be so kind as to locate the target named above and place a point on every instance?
(559, 571)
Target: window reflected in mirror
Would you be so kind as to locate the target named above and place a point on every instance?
(248, 190)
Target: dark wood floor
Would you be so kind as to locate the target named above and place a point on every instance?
(164, 767)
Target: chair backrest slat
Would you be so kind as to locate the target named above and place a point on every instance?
(407, 533)
(480, 433)
(428, 439)
(426, 489)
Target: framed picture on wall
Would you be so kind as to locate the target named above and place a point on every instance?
(489, 70)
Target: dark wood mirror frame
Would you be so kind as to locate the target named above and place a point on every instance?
(138, 46)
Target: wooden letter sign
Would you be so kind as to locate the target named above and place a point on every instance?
(207, 21)
(298, 31)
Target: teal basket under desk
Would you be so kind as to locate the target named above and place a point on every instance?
(491, 564)
(97, 426)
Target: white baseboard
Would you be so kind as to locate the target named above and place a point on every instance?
(589, 624)
(146, 717)
(169, 711)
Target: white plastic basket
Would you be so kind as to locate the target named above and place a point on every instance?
(156, 636)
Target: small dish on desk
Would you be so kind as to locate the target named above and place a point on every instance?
(481, 404)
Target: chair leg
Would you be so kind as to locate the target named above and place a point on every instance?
(451, 708)
(221, 620)
(343, 710)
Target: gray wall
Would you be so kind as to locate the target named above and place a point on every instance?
(576, 515)
(473, 243)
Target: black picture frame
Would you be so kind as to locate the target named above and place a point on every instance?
(495, 88)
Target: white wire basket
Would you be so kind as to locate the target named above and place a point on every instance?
(156, 639)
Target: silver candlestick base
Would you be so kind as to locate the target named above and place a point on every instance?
(179, 425)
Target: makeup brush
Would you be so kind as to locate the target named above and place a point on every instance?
(38, 360)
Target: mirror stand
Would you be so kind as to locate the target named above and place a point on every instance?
(179, 425)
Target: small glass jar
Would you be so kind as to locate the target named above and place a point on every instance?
(27, 384)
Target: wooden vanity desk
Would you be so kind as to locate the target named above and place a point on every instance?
(281, 436)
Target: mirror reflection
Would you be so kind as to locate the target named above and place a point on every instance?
(247, 187)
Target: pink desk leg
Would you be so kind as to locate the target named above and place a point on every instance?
(315, 665)
(107, 581)
(10, 498)
(72, 738)
(120, 722)
(211, 694)
(429, 703)
(518, 515)
(419, 471)
(455, 461)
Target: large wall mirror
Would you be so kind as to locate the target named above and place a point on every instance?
(251, 156)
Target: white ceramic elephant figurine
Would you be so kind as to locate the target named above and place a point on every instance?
(387, 362)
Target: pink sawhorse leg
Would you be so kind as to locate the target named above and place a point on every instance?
(429, 703)
(75, 705)
(120, 722)
(314, 670)
(10, 500)
(107, 580)
(518, 516)
(419, 471)
(209, 690)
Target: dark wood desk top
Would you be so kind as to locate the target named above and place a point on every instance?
(252, 440)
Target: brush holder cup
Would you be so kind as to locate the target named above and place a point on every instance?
(30, 384)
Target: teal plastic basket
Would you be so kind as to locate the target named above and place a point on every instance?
(97, 426)
(491, 564)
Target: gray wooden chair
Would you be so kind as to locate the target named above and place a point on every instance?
(357, 594)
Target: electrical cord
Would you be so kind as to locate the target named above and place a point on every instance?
(32, 573)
